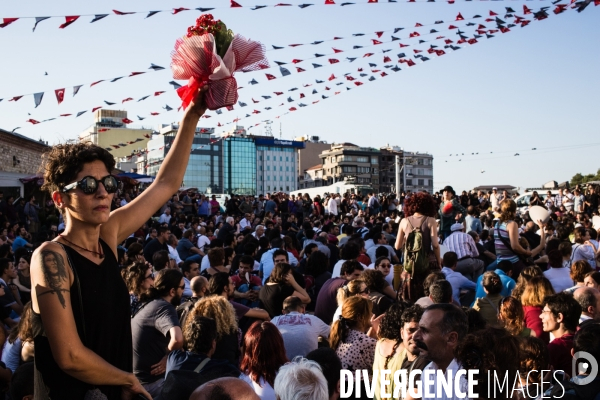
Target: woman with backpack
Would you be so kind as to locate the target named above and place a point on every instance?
(417, 237)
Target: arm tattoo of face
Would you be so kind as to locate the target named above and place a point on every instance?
(55, 273)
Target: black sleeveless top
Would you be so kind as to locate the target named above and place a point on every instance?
(107, 322)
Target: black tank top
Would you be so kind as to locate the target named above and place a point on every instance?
(107, 327)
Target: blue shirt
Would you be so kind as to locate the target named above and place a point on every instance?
(458, 282)
(19, 242)
(267, 265)
(473, 224)
(270, 206)
(508, 284)
(204, 208)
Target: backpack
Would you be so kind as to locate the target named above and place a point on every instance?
(416, 261)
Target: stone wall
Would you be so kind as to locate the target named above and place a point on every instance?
(28, 152)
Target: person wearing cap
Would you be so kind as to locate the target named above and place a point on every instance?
(451, 211)
(466, 251)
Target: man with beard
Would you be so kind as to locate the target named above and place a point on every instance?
(412, 357)
(155, 329)
(441, 328)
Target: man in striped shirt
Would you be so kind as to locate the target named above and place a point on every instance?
(466, 250)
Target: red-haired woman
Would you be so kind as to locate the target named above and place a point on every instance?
(263, 355)
(420, 209)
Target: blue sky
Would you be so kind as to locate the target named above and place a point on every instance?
(534, 87)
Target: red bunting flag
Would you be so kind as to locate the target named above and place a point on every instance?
(383, 74)
(7, 21)
(329, 2)
(333, 61)
(472, 41)
(96, 108)
(65, 115)
(234, 4)
(337, 50)
(417, 51)
(492, 14)
(302, 95)
(526, 10)
(126, 121)
(296, 61)
(368, 55)
(386, 59)
(270, 77)
(69, 20)
(180, 9)
(440, 52)
(410, 63)
(97, 82)
(459, 17)
(295, 45)
(418, 25)
(293, 109)
(300, 69)
(453, 27)
(103, 129)
(332, 77)
(158, 93)
(136, 73)
(255, 112)
(33, 121)
(278, 93)
(349, 78)
(372, 1)
(127, 99)
(255, 101)
(379, 34)
(403, 45)
(414, 34)
(123, 13)
(16, 98)
(60, 95)
(154, 113)
(375, 41)
(358, 83)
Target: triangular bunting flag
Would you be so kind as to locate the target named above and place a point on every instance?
(98, 17)
(69, 20)
(60, 95)
(76, 89)
(38, 20)
(37, 98)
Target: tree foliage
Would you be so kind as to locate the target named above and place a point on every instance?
(578, 178)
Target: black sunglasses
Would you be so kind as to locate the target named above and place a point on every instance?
(89, 184)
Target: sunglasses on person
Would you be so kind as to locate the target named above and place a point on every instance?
(365, 291)
(89, 184)
(151, 276)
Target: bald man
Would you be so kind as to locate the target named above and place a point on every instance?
(225, 389)
(589, 300)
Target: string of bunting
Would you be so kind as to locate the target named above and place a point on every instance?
(70, 19)
(60, 93)
(291, 109)
(480, 30)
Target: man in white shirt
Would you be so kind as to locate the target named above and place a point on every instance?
(558, 275)
(172, 243)
(165, 218)
(203, 240)
(246, 222)
(456, 279)
(300, 331)
(568, 200)
(259, 231)
(332, 206)
(441, 329)
(495, 198)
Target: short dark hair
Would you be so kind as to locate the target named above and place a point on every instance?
(217, 283)
(310, 248)
(199, 333)
(165, 280)
(586, 339)
(4, 263)
(160, 259)
(491, 282)
(187, 266)
(412, 314)
(454, 319)
(431, 279)
(281, 252)
(247, 260)
(506, 266)
(330, 364)
(586, 299)
(292, 303)
(450, 259)
(348, 267)
(441, 291)
(564, 303)
(22, 381)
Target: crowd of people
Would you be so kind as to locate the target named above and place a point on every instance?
(155, 295)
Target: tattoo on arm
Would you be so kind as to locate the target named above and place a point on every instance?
(55, 273)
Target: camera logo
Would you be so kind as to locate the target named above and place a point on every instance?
(584, 368)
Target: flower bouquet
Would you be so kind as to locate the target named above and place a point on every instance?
(209, 55)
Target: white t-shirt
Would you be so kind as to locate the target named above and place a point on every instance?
(203, 241)
(262, 388)
(300, 332)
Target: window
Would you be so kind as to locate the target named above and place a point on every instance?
(280, 158)
(287, 188)
(268, 168)
(268, 177)
(280, 178)
(420, 161)
(268, 188)
(287, 158)
(268, 158)
(362, 159)
(409, 182)
(281, 168)
(260, 177)
(374, 160)
(261, 188)
(260, 158)
(425, 161)
(287, 169)
(287, 178)
(421, 182)
(260, 167)
(420, 171)
(274, 178)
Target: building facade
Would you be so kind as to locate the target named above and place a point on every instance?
(109, 131)
(276, 163)
(205, 167)
(20, 157)
(239, 166)
(308, 157)
(348, 161)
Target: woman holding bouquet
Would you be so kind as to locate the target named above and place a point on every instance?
(81, 319)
